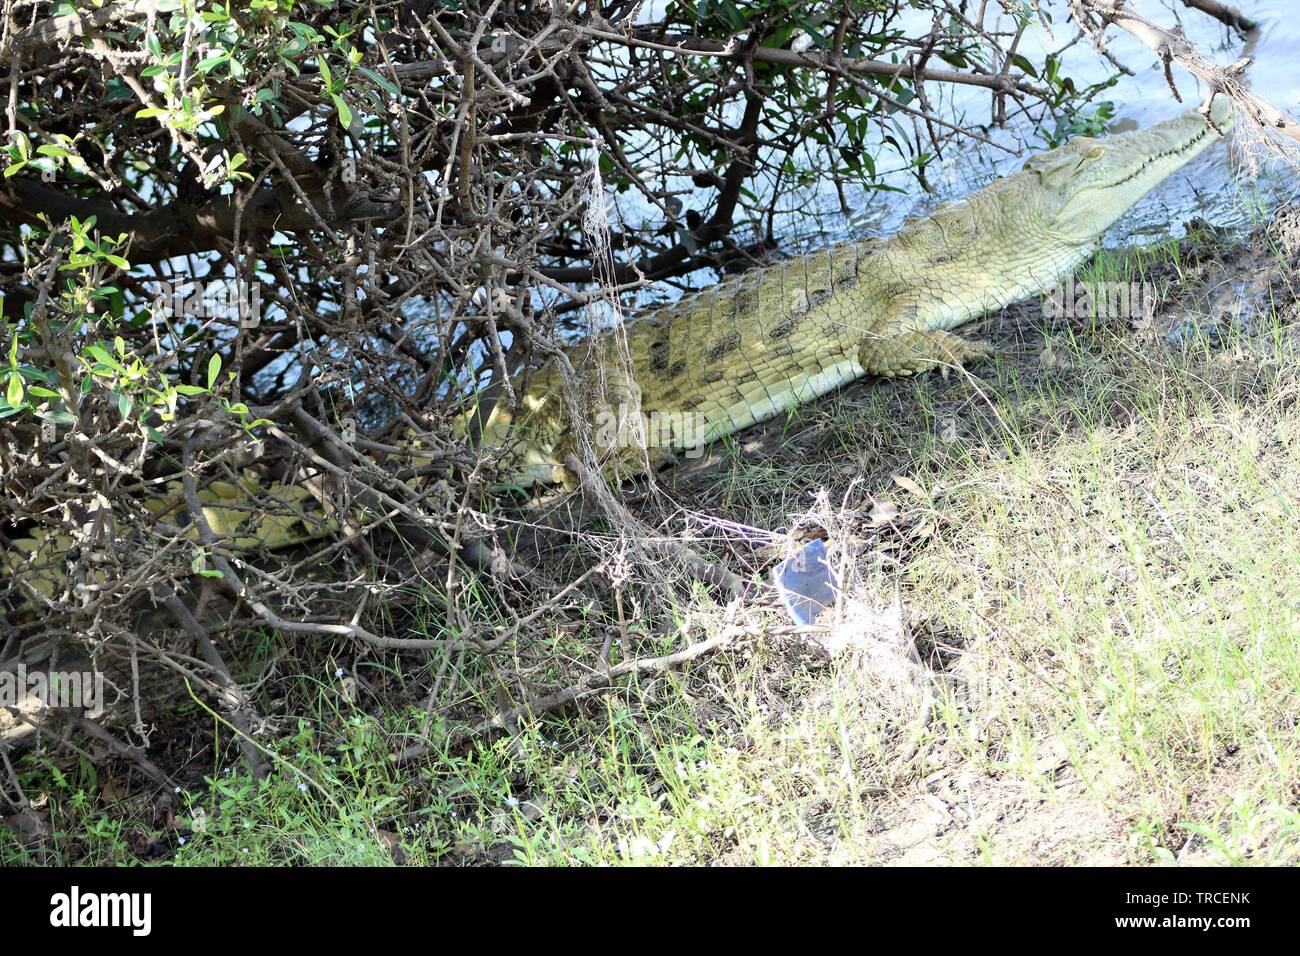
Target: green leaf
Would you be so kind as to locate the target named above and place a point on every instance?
(1025, 65)
(345, 114)
(59, 416)
(14, 393)
(102, 355)
(381, 81)
(118, 90)
(214, 369)
(211, 63)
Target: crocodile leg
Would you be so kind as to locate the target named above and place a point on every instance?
(906, 353)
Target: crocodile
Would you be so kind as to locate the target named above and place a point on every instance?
(756, 345)
(752, 347)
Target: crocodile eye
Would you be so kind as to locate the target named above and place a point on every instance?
(1088, 156)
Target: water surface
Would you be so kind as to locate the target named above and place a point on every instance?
(1216, 186)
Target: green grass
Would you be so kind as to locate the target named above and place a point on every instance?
(1100, 572)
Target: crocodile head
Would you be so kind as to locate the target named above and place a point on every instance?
(1088, 183)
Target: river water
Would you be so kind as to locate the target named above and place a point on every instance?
(1220, 186)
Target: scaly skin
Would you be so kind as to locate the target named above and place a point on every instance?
(753, 347)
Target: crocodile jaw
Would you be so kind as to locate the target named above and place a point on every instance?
(1087, 184)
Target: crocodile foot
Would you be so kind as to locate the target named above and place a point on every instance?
(908, 353)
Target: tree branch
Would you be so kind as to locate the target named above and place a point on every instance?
(1172, 47)
(178, 228)
(650, 38)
